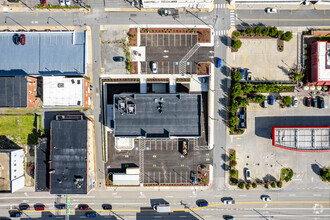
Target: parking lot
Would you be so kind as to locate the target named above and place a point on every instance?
(264, 60)
(167, 50)
(254, 148)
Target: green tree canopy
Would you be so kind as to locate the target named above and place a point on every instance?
(248, 31)
(237, 75)
(259, 98)
(265, 31)
(287, 100)
(287, 36)
(273, 31)
(257, 30)
(236, 44)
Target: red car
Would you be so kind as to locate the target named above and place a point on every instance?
(83, 207)
(22, 39)
(308, 102)
(32, 170)
(43, 2)
(39, 207)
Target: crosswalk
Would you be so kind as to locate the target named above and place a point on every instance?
(232, 18)
(222, 32)
(219, 5)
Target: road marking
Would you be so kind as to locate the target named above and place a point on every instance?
(242, 195)
(316, 194)
(292, 194)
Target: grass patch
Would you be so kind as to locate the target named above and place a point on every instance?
(20, 128)
(286, 174)
(233, 176)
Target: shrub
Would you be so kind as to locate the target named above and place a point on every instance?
(287, 36)
(234, 106)
(236, 90)
(259, 98)
(325, 174)
(248, 88)
(243, 101)
(236, 44)
(273, 31)
(279, 184)
(287, 100)
(234, 120)
(280, 33)
(257, 30)
(232, 163)
(261, 87)
(298, 76)
(273, 185)
(236, 76)
(266, 185)
(241, 185)
(236, 33)
(248, 31)
(265, 31)
(254, 185)
(240, 131)
(247, 186)
(232, 156)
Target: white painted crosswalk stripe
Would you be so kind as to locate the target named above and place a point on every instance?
(221, 32)
(220, 5)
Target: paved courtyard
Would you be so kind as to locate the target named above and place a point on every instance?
(263, 59)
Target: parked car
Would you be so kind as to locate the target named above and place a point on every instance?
(248, 74)
(309, 102)
(242, 72)
(193, 177)
(16, 39)
(118, 59)
(23, 206)
(229, 217)
(32, 170)
(83, 207)
(68, 2)
(15, 214)
(39, 207)
(62, 3)
(271, 10)
(315, 104)
(228, 201)
(219, 63)
(91, 214)
(202, 203)
(204, 80)
(271, 100)
(265, 103)
(321, 101)
(242, 124)
(266, 198)
(43, 2)
(60, 206)
(295, 102)
(247, 175)
(168, 11)
(106, 206)
(154, 67)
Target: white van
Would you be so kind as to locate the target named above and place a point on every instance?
(162, 207)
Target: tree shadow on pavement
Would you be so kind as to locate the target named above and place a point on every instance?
(316, 169)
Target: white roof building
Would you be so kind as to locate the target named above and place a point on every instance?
(199, 4)
(63, 91)
(323, 61)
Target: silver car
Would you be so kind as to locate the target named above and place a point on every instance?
(295, 102)
(266, 198)
(228, 201)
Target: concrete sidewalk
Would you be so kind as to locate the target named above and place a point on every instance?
(320, 6)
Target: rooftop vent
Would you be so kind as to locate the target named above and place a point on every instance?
(60, 85)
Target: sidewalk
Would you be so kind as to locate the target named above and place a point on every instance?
(319, 6)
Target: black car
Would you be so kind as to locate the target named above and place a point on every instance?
(107, 206)
(60, 206)
(23, 207)
(118, 59)
(16, 39)
(315, 102)
(321, 101)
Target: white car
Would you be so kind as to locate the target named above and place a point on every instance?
(154, 67)
(247, 175)
(228, 201)
(68, 2)
(295, 102)
(62, 3)
(266, 198)
(271, 10)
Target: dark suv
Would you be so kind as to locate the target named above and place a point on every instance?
(321, 101)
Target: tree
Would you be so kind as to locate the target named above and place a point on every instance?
(243, 101)
(241, 185)
(298, 75)
(254, 185)
(247, 186)
(287, 100)
(236, 33)
(249, 31)
(325, 174)
(240, 131)
(234, 120)
(261, 88)
(237, 75)
(265, 31)
(236, 44)
(232, 163)
(279, 184)
(259, 98)
(266, 185)
(236, 90)
(248, 88)
(257, 30)
(232, 156)
(273, 31)
(234, 106)
(273, 185)
(287, 36)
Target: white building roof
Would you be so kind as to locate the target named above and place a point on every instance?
(177, 3)
(63, 91)
(323, 52)
(122, 179)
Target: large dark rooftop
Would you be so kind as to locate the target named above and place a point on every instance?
(157, 115)
(13, 91)
(68, 157)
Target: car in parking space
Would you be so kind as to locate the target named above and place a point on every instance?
(15, 214)
(39, 207)
(242, 72)
(271, 10)
(16, 39)
(32, 170)
(228, 201)
(91, 214)
(219, 63)
(248, 74)
(60, 206)
(247, 175)
(271, 100)
(308, 102)
(43, 2)
(154, 67)
(265, 103)
(62, 3)
(266, 198)
(83, 207)
(106, 207)
(321, 101)
(22, 39)
(68, 2)
(315, 103)
(202, 203)
(295, 102)
(229, 217)
(118, 59)
(168, 11)
(23, 206)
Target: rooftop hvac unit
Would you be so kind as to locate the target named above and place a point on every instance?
(60, 85)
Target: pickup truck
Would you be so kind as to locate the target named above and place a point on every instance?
(185, 148)
(168, 11)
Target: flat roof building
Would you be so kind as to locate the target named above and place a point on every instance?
(68, 156)
(44, 53)
(200, 4)
(157, 115)
(59, 91)
(306, 139)
(320, 63)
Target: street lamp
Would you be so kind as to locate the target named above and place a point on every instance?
(15, 22)
(57, 22)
